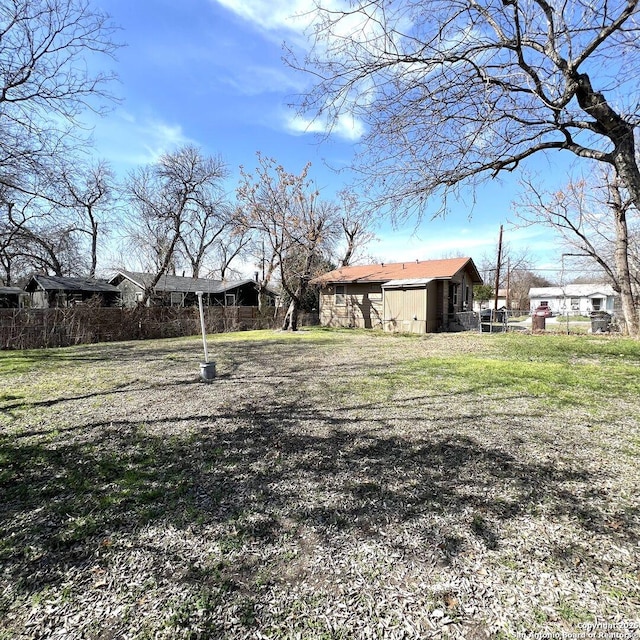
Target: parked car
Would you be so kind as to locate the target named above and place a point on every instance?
(543, 311)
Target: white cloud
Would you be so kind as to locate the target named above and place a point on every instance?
(273, 15)
(252, 80)
(127, 140)
(346, 127)
(159, 137)
(298, 15)
(293, 20)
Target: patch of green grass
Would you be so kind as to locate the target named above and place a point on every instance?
(307, 334)
(572, 613)
(563, 370)
(618, 593)
(510, 563)
(562, 348)
(573, 318)
(247, 612)
(27, 361)
(540, 616)
(78, 529)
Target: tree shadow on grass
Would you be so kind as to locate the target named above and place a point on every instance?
(270, 359)
(259, 473)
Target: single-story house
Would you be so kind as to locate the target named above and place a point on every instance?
(575, 299)
(412, 297)
(12, 297)
(58, 291)
(180, 291)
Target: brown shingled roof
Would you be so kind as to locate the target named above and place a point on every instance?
(445, 269)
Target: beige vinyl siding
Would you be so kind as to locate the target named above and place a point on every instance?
(361, 307)
(433, 312)
(405, 310)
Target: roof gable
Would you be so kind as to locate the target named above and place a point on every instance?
(425, 269)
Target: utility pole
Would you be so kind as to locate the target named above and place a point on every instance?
(508, 292)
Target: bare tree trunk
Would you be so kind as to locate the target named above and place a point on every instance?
(94, 249)
(261, 286)
(622, 267)
(290, 322)
(619, 132)
(162, 271)
(629, 303)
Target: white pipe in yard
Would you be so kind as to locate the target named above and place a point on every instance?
(204, 333)
(207, 369)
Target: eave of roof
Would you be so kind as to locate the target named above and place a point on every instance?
(59, 283)
(380, 273)
(184, 284)
(407, 283)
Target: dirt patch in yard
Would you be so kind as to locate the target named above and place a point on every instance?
(327, 485)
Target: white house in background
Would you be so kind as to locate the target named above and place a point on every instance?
(575, 299)
(491, 304)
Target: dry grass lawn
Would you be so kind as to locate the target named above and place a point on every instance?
(329, 484)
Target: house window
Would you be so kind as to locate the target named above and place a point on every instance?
(544, 303)
(229, 300)
(340, 298)
(454, 294)
(575, 304)
(176, 299)
(596, 304)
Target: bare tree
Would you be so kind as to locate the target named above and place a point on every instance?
(233, 243)
(166, 198)
(211, 231)
(46, 81)
(88, 192)
(356, 222)
(266, 258)
(457, 91)
(37, 235)
(286, 211)
(520, 281)
(516, 274)
(11, 259)
(592, 219)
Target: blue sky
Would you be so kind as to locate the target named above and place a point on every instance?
(210, 73)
